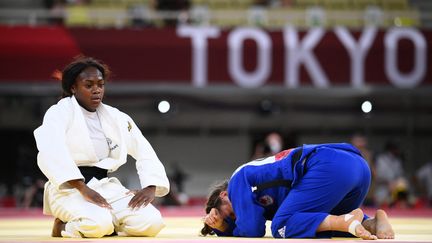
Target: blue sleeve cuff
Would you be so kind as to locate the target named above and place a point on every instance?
(229, 230)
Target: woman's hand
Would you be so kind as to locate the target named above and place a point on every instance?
(89, 194)
(142, 197)
(215, 220)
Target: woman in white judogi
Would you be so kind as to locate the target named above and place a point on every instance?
(79, 141)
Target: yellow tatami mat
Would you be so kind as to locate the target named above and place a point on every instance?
(185, 229)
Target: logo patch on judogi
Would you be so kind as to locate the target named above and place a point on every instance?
(266, 200)
(110, 144)
(129, 126)
(281, 232)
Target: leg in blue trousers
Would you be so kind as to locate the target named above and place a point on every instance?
(336, 182)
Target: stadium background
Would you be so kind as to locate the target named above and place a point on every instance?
(230, 73)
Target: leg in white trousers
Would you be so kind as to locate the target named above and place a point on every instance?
(85, 219)
(145, 221)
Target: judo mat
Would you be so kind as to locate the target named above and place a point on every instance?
(183, 225)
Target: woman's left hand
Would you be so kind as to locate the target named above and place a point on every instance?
(142, 197)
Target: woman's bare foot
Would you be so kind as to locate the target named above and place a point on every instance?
(353, 221)
(350, 222)
(58, 227)
(380, 225)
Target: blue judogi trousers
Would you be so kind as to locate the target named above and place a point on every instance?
(336, 182)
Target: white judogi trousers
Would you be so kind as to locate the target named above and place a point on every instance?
(86, 219)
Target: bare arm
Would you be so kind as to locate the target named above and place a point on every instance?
(142, 197)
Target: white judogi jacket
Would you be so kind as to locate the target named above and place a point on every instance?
(64, 144)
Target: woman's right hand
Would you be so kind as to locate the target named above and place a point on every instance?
(215, 220)
(89, 194)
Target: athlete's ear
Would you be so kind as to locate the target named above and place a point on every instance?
(223, 194)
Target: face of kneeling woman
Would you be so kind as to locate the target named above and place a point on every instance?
(89, 88)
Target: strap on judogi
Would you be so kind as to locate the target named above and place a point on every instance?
(270, 184)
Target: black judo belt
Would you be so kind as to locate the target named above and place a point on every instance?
(90, 171)
(283, 183)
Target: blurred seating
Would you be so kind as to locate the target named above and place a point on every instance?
(311, 13)
(337, 4)
(109, 17)
(349, 18)
(394, 4)
(354, 4)
(228, 18)
(403, 19)
(200, 15)
(118, 3)
(286, 16)
(364, 4)
(89, 16)
(258, 16)
(316, 17)
(373, 16)
(232, 13)
(224, 4)
(303, 4)
(77, 15)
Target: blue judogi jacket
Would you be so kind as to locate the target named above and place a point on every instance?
(254, 207)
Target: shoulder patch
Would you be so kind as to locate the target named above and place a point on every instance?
(283, 154)
(266, 200)
(129, 126)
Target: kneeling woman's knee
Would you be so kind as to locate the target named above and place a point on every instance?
(156, 224)
(96, 227)
(145, 225)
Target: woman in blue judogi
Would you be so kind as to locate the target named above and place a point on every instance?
(309, 191)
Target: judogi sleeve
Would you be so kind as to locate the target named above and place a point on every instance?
(150, 169)
(54, 158)
(250, 221)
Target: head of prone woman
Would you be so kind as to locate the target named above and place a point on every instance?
(219, 205)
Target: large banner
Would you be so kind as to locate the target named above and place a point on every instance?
(243, 57)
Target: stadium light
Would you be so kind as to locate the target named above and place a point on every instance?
(366, 106)
(164, 106)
